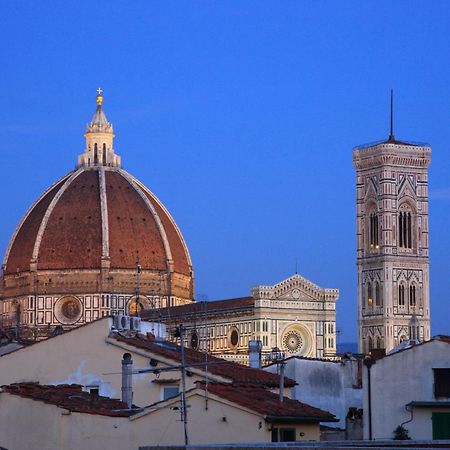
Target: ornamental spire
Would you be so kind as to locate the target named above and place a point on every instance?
(99, 139)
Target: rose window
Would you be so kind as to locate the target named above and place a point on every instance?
(292, 341)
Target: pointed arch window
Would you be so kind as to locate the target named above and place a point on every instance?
(369, 294)
(379, 342)
(401, 295)
(95, 154)
(405, 229)
(412, 295)
(373, 230)
(369, 344)
(378, 299)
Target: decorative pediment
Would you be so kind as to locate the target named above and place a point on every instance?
(371, 188)
(295, 288)
(406, 187)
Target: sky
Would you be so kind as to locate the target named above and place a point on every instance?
(241, 117)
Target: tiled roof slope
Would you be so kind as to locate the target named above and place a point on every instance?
(200, 308)
(70, 397)
(267, 403)
(237, 373)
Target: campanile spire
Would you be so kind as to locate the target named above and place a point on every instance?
(99, 136)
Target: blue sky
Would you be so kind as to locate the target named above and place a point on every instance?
(240, 116)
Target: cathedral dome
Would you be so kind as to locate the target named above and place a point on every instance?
(97, 230)
(97, 214)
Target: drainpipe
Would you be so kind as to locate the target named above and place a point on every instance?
(127, 387)
(282, 364)
(369, 362)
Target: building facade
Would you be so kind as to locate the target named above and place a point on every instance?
(416, 396)
(294, 315)
(96, 243)
(392, 242)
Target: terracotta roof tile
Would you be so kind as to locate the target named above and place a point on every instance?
(236, 373)
(133, 233)
(267, 403)
(73, 235)
(21, 252)
(70, 397)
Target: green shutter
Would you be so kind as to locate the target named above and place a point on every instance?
(441, 425)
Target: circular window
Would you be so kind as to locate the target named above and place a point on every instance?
(293, 341)
(296, 293)
(233, 338)
(134, 307)
(68, 309)
(194, 340)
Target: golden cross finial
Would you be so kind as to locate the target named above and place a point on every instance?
(99, 96)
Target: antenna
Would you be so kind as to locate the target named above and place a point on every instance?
(296, 266)
(391, 136)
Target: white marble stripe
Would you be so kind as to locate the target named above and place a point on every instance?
(170, 218)
(104, 212)
(49, 211)
(16, 232)
(149, 205)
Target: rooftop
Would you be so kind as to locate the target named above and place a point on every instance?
(70, 397)
(197, 308)
(236, 373)
(267, 403)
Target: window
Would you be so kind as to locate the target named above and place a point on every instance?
(104, 155)
(404, 229)
(283, 434)
(412, 295)
(95, 154)
(369, 294)
(169, 392)
(374, 230)
(401, 295)
(378, 300)
(441, 383)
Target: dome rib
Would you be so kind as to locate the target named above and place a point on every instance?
(161, 229)
(172, 221)
(51, 207)
(25, 218)
(104, 212)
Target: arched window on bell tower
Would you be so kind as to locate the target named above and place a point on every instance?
(412, 295)
(405, 228)
(95, 154)
(369, 294)
(378, 298)
(369, 344)
(401, 295)
(374, 233)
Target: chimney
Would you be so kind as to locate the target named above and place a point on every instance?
(254, 354)
(127, 387)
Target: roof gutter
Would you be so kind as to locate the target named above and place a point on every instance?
(297, 419)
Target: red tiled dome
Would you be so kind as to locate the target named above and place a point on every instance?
(96, 214)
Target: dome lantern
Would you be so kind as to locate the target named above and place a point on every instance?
(99, 136)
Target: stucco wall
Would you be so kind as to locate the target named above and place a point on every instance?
(219, 423)
(397, 380)
(83, 357)
(26, 423)
(324, 384)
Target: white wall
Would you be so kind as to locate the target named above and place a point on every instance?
(399, 379)
(324, 384)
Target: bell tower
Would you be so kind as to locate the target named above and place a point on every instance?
(392, 241)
